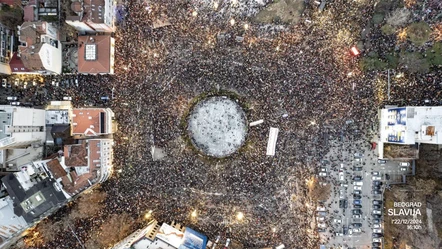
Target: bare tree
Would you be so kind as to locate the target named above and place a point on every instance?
(114, 229)
(317, 191)
(436, 34)
(89, 204)
(399, 17)
(48, 230)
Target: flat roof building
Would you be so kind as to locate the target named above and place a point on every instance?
(22, 134)
(92, 121)
(410, 125)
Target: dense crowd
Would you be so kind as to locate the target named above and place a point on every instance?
(301, 79)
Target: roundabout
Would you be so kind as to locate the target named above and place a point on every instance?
(217, 126)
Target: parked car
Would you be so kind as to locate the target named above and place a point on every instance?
(406, 164)
(377, 235)
(376, 225)
(376, 244)
(377, 240)
(376, 207)
(377, 183)
(358, 159)
(356, 216)
(357, 178)
(322, 174)
(320, 218)
(322, 169)
(341, 176)
(359, 155)
(359, 183)
(357, 197)
(322, 225)
(357, 192)
(345, 230)
(11, 98)
(321, 230)
(67, 98)
(357, 202)
(357, 168)
(376, 178)
(4, 83)
(375, 173)
(377, 230)
(377, 212)
(356, 225)
(339, 234)
(377, 202)
(356, 211)
(357, 206)
(382, 161)
(357, 188)
(15, 103)
(377, 221)
(404, 168)
(337, 221)
(376, 187)
(357, 230)
(344, 185)
(376, 216)
(376, 192)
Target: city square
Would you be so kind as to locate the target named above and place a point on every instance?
(184, 96)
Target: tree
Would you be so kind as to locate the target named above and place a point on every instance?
(48, 230)
(426, 186)
(11, 17)
(419, 33)
(414, 62)
(437, 32)
(317, 191)
(89, 204)
(399, 17)
(114, 228)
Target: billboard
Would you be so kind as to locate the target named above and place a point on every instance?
(170, 235)
(397, 121)
(397, 116)
(193, 240)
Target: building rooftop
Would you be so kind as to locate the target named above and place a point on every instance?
(75, 155)
(33, 191)
(57, 117)
(90, 121)
(94, 54)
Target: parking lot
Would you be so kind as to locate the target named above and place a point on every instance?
(354, 211)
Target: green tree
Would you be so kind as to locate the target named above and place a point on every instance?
(419, 33)
(434, 54)
(414, 62)
(372, 63)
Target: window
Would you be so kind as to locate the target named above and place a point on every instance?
(90, 52)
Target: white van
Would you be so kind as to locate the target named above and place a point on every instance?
(404, 164)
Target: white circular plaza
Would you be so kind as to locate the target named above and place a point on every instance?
(217, 126)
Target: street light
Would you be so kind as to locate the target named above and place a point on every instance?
(194, 214)
(148, 214)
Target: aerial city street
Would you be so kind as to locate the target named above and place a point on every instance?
(221, 124)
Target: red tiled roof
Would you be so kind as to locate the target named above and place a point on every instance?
(17, 65)
(87, 121)
(103, 49)
(9, 2)
(28, 13)
(56, 168)
(75, 155)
